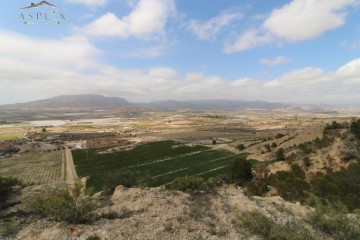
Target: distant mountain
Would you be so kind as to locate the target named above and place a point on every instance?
(85, 101)
(214, 104)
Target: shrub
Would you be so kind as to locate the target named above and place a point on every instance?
(335, 221)
(240, 171)
(6, 187)
(241, 147)
(214, 142)
(273, 145)
(63, 205)
(279, 135)
(307, 161)
(297, 171)
(259, 224)
(292, 189)
(187, 183)
(355, 128)
(280, 155)
(268, 148)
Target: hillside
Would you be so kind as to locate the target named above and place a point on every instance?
(85, 101)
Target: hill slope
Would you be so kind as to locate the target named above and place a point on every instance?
(71, 101)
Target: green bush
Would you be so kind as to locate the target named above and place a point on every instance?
(241, 147)
(279, 135)
(355, 128)
(190, 183)
(259, 224)
(307, 161)
(63, 205)
(240, 171)
(273, 145)
(280, 154)
(6, 187)
(292, 189)
(336, 221)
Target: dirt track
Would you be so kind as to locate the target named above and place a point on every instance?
(71, 175)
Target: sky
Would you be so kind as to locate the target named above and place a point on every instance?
(291, 51)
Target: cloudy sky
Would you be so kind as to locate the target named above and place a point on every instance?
(303, 51)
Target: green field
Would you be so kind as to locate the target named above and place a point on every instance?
(160, 163)
(37, 168)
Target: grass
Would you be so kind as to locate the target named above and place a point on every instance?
(38, 168)
(8, 137)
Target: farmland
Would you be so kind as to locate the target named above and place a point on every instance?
(92, 161)
(154, 167)
(35, 168)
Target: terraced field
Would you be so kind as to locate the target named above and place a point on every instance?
(159, 162)
(37, 168)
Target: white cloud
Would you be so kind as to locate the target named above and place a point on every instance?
(148, 17)
(90, 3)
(350, 70)
(307, 19)
(250, 39)
(210, 28)
(74, 51)
(298, 20)
(30, 70)
(274, 61)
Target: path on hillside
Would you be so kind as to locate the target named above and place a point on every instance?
(71, 175)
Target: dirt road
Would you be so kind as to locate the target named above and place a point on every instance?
(71, 175)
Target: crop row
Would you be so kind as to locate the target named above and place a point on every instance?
(38, 168)
(90, 162)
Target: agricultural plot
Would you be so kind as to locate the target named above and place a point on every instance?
(36, 168)
(156, 168)
(92, 161)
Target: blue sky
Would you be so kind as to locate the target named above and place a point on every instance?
(304, 51)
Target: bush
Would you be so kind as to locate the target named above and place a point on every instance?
(280, 155)
(63, 205)
(355, 128)
(240, 171)
(241, 147)
(292, 189)
(307, 161)
(273, 145)
(214, 142)
(259, 224)
(187, 183)
(335, 221)
(268, 148)
(6, 187)
(279, 135)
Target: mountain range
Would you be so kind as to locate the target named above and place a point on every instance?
(96, 102)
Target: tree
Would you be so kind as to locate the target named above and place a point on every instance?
(355, 128)
(280, 155)
(43, 130)
(214, 142)
(268, 148)
(240, 171)
(241, 147)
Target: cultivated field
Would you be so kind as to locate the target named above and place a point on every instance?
(159, 163)
(37, 168)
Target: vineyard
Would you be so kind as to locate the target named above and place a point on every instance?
(157, 163)
(35, 168)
